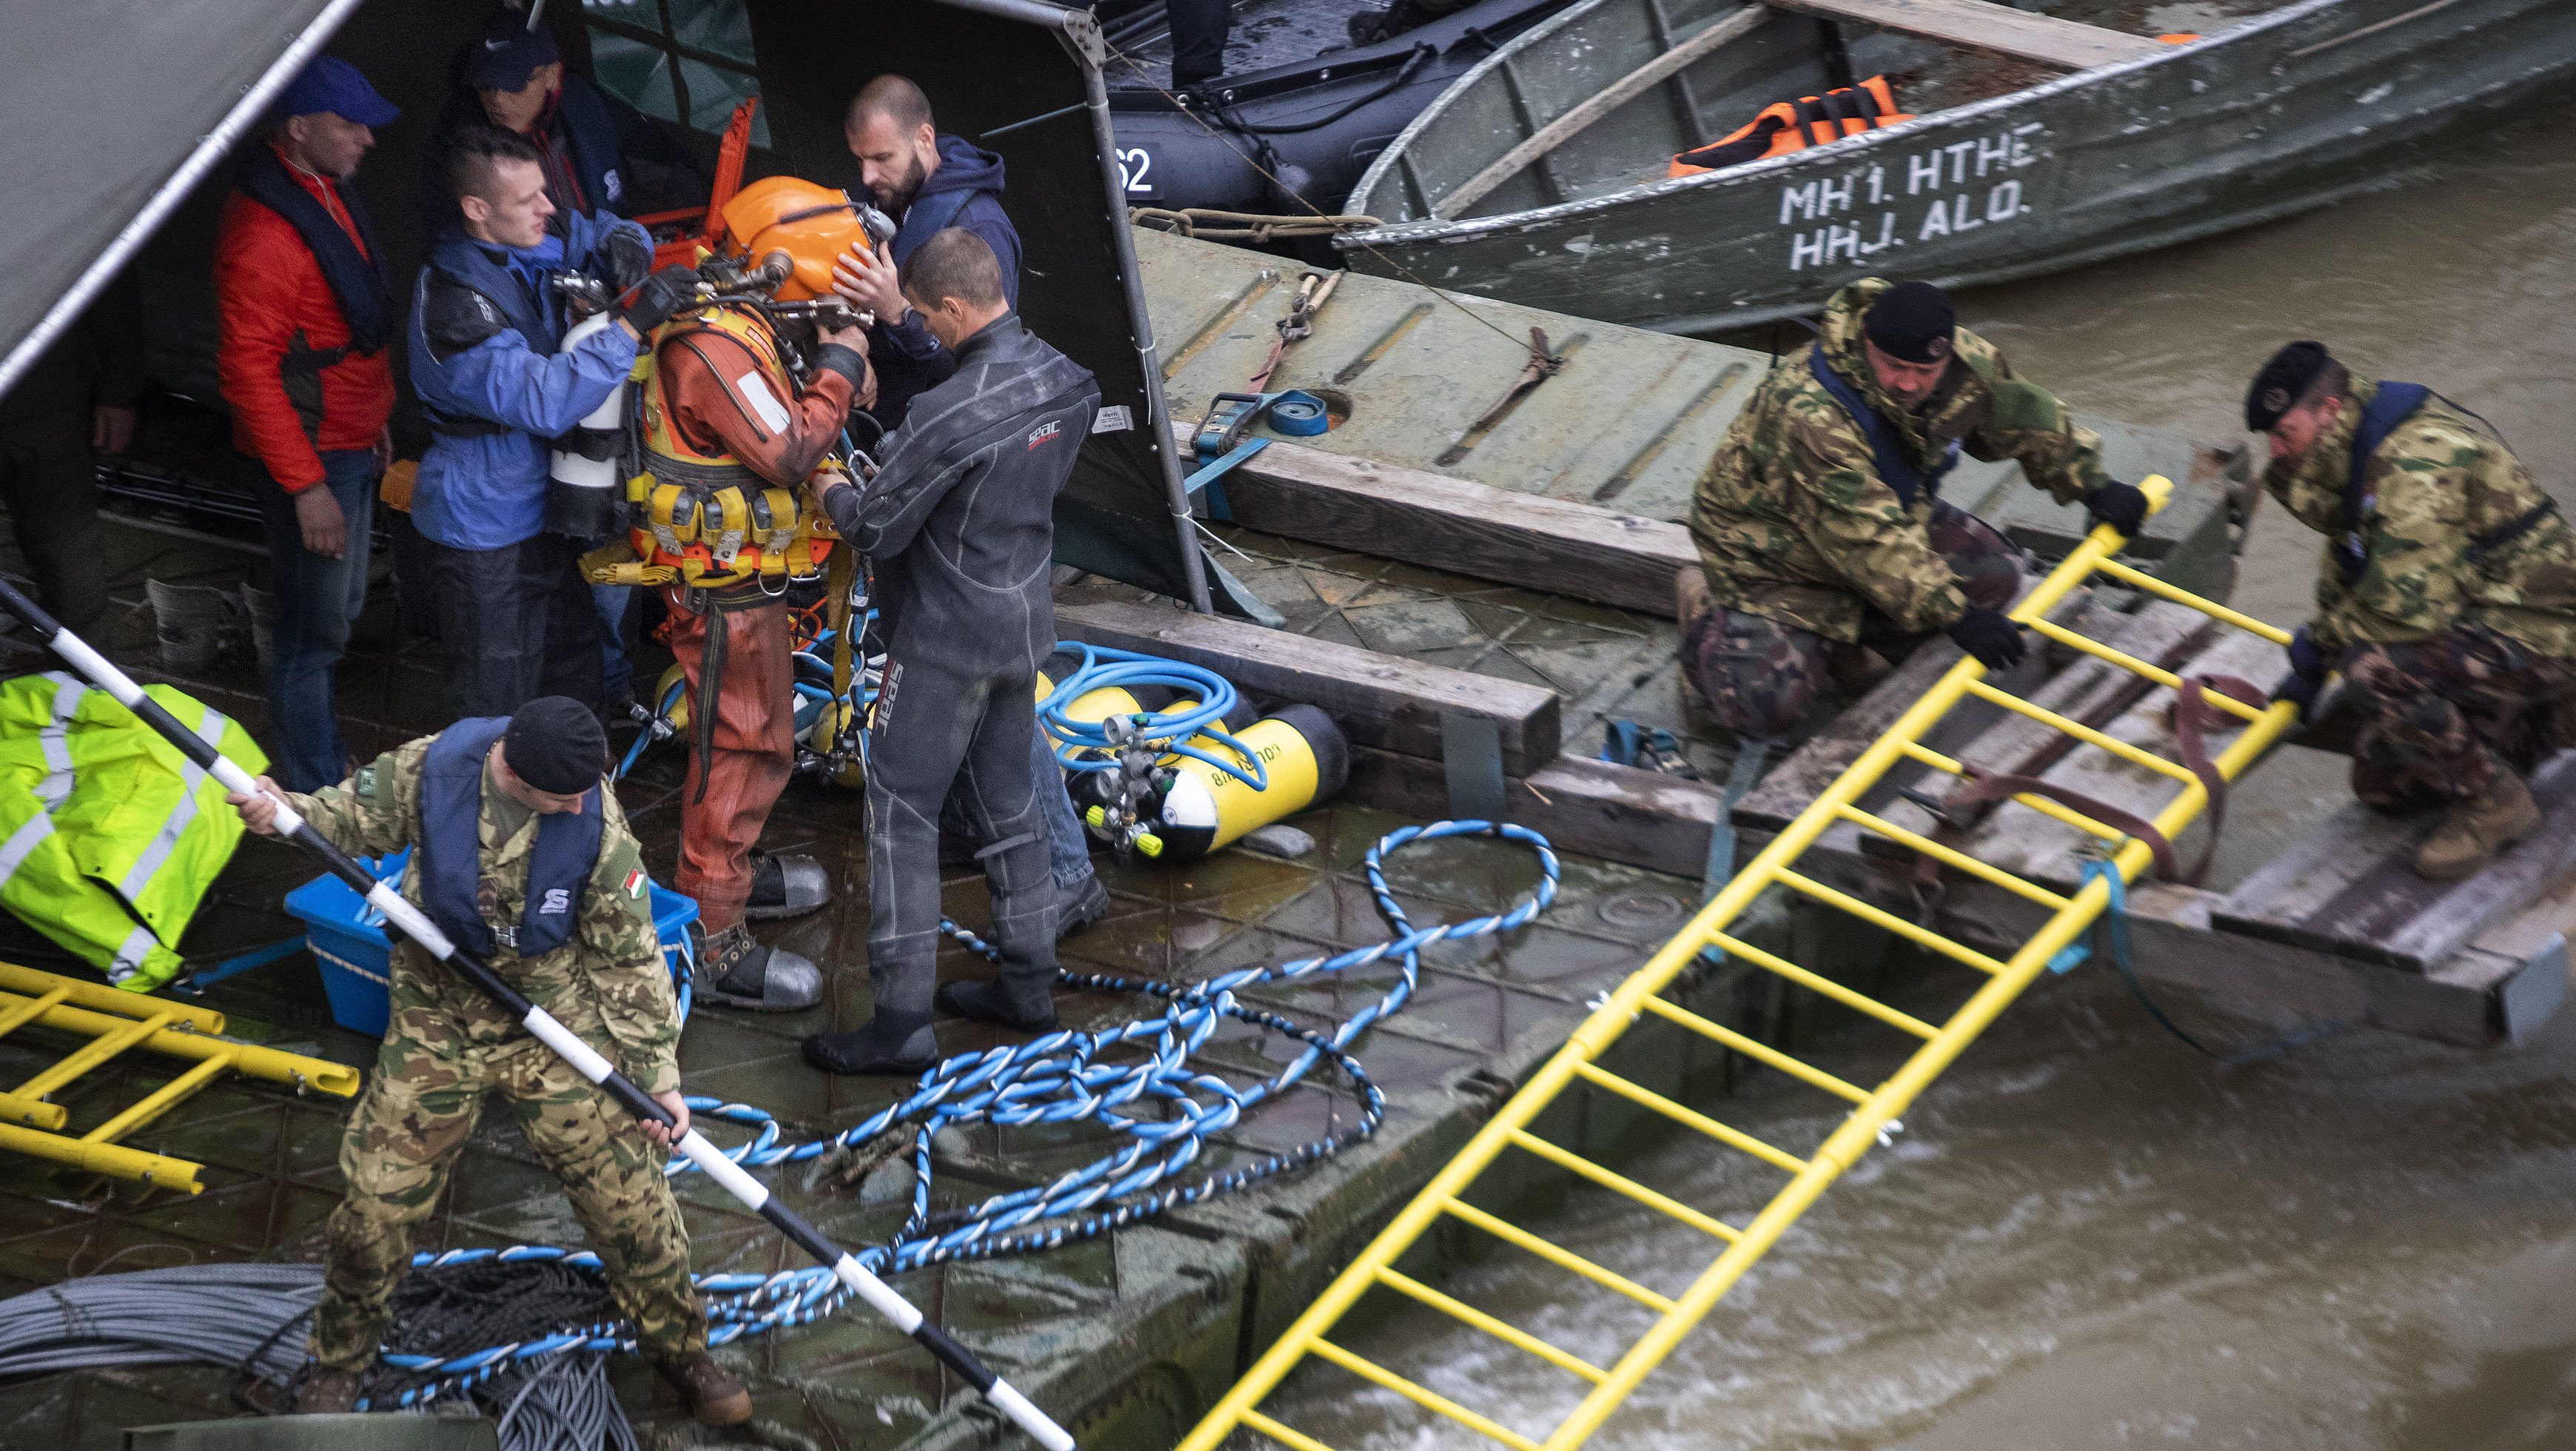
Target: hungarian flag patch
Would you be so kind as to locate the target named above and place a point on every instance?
(635, 882)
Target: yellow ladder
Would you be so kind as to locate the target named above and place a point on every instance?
(1872, 1111)
(114, 1020)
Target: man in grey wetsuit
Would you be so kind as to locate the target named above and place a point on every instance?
(959, 522)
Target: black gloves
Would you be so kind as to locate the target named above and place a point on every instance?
(657, 297)
(2122, 506)
(2307, 677)
(623, 259)
(1994, 640)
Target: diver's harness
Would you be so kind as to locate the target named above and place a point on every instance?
(706, 522)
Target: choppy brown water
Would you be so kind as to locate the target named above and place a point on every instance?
(2089, 1236)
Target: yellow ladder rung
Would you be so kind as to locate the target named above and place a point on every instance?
(27, 1010)
(2028, 891)
(2040, 804)
(2082, 732)
(158, 1102)
(2113, 656)
(1288, 1436)
(1757, 1051)
(1562, 1258)
(1725, 1134)
(98, 1051)
(32, 1112)
(1858, 1002)
(1617, 1183)
(2140, 580)
(1458, 1309)
(1423, 1396)
(1914, 932)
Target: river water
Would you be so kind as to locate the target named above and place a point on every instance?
(2090, 1236)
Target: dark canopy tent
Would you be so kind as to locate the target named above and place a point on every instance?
(187, 80)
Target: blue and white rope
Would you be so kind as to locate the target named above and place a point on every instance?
(1086, 745)
(1059, 1078)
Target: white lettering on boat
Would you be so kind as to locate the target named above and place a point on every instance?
(1954, 187)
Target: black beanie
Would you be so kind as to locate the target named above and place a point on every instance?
(1912, 321)
(2282, 383)
(555, 744)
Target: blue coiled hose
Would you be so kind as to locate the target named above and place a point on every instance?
(1163, 1105)
(1086, 745)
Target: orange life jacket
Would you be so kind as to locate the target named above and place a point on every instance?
(1786, 126)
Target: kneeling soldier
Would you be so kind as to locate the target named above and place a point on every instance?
(1819, 522)
(521, 854)
(2447, 597)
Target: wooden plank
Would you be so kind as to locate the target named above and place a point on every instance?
(2277, 982)
(2351, 886)
(1610, 98)
(1994, 29)
(1580, 551)
(1384, 701)
(1617, 813)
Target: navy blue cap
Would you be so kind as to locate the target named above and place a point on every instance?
(332, 84)
(507, 53)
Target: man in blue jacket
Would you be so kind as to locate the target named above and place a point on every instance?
(929, 182)
(486, 323)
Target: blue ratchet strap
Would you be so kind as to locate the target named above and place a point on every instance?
(2114, 926)
(1751, 755)
(1211, 477)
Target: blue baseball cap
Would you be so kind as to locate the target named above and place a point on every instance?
(507, 53)
(333, 85)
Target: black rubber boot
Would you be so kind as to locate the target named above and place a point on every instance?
(737, 972)
(897, 1048)
(786, 886)
(1084, 904)
(999, 1002)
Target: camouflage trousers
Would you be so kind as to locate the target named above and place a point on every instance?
(2446, 714)
(1762, 679)
(417, 1113)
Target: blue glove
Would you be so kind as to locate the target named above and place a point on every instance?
(2122, 506)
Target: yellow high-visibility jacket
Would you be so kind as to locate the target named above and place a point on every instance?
(109, 837)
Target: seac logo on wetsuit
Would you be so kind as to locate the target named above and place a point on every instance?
(1045, 432)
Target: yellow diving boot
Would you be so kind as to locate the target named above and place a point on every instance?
(2477, 829)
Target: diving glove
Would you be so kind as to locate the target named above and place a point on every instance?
(2122, 506)
(623, 257)
(1986, 634)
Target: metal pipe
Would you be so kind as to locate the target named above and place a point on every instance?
(209, 149)
(111, 1159)
(540, 1024)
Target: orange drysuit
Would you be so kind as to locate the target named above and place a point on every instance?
(731, 399)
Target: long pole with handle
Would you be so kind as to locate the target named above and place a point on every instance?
(755, 1195)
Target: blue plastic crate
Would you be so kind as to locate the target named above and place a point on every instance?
(348, 941)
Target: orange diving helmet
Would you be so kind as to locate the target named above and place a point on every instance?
(810, 224)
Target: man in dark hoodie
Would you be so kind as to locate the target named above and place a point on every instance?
(931, 182)
(927, 182)
(960, 524)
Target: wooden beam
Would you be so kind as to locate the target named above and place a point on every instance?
(1581, 551)
(1610, 98)
(1617, 813)
(1994, 29)
(1384, 701)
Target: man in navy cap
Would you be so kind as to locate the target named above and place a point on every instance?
(512, 75)
(306, 315)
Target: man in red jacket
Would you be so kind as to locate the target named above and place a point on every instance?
(306, 316)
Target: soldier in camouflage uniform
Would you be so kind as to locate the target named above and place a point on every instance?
(447, 1046)
(2447, 597)
(1818, 521)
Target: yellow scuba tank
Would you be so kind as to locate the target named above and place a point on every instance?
(1197, 808)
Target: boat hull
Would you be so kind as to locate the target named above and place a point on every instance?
(2291, 110)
